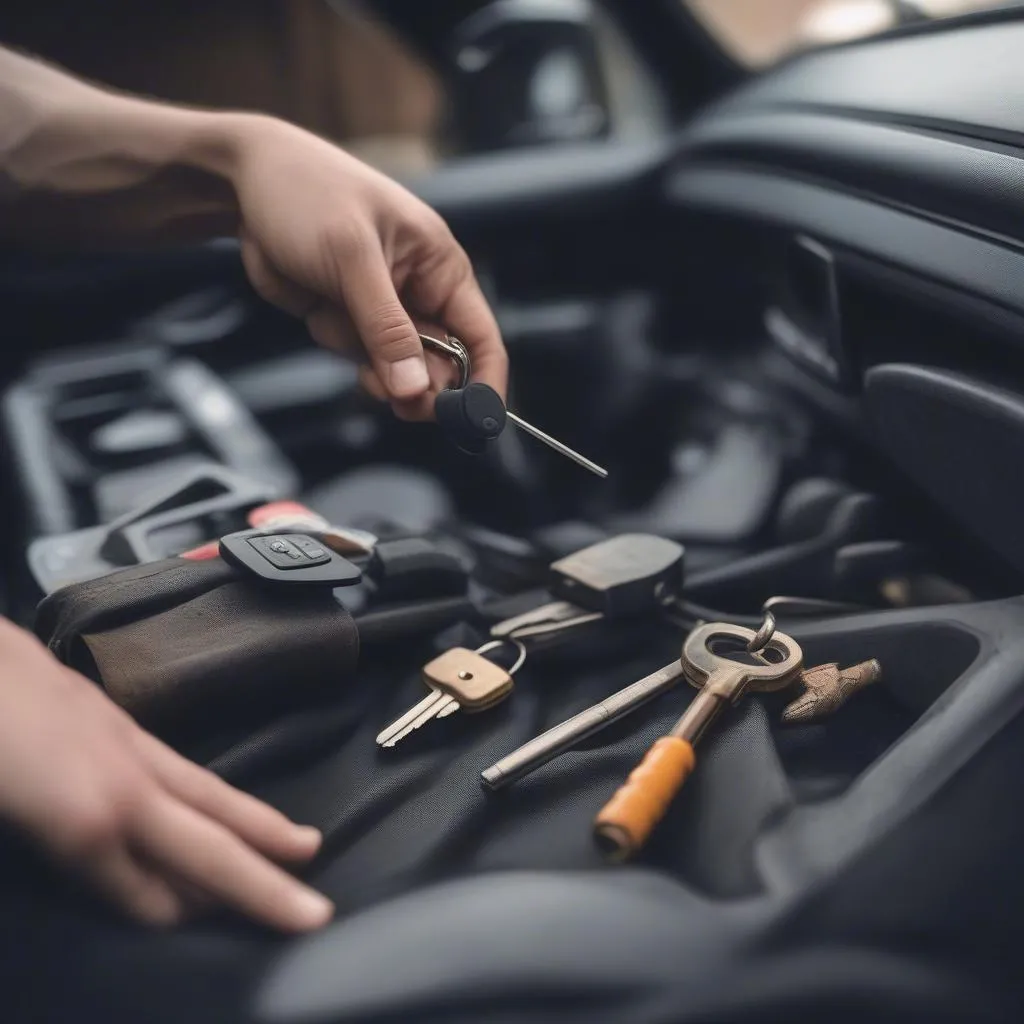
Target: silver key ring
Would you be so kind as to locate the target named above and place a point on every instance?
(520, 647)
(764, 635)
(455, 351)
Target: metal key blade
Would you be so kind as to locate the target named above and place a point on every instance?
(385, 736)
(562, 449)
(439, 709)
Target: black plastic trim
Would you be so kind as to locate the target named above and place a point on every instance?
(935, 251)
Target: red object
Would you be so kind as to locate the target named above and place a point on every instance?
(281, 510)
(203, 553)
(275, 512)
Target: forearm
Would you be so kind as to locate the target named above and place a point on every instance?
(83, 166)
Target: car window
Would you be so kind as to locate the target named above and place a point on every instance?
(759, 32)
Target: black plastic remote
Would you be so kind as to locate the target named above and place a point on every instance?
(295, 558)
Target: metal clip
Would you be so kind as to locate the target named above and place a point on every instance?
(454, 350)
(548, 619)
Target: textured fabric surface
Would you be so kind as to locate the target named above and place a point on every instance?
(235, 647)
(459, 905)
(183, 645)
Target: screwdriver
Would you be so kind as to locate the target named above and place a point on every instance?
(473, 414)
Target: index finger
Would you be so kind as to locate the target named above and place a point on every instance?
(205, 854)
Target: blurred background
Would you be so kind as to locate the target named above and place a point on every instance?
(343, 70)
(648, 342)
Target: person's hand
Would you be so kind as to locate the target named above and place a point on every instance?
(362, 260)
(154, 832)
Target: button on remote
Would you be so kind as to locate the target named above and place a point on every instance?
(290, 552)
(311, 548)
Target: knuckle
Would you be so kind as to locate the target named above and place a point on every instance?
(90, 829)
(432, 225)
(391, 333)
(448, 261)
(343, 243)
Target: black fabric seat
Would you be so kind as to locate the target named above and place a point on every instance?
(455, 904)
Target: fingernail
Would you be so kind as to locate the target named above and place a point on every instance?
(408, 376)
(315, 909)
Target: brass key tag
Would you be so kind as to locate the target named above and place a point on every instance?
(469, 677)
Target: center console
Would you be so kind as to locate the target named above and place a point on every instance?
(168, 435)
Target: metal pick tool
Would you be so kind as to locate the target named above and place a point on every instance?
(562, 449)
(459, 355)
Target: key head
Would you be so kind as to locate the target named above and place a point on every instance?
(630, 574)
(470, 416)
(469, 677)
(781, 660)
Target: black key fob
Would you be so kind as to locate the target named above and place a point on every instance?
(295, 558)
(630, 574)
(470, 416)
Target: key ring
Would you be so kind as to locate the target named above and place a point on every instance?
(763, 637)
(455, 351)
(520, 647)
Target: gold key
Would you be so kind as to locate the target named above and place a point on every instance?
(459, 679)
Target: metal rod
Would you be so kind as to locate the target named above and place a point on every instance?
(702, 711)
(565, 736)
(558, 446)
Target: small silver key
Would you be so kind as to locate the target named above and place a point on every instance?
(459, 679)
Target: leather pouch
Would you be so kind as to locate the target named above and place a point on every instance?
(182, 644)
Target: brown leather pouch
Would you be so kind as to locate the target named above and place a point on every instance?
(185, 645)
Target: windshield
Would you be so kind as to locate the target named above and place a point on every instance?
(759, 32)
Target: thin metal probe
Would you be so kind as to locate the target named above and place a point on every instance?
(566, 735)
(562, 449)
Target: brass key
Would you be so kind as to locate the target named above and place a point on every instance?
(459, 679)
(624, 824)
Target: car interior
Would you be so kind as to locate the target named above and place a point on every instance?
(778, 299)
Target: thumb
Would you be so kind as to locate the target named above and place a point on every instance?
(388, 335)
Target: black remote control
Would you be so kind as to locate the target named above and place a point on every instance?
(296, 558)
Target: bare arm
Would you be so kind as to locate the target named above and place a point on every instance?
(323, 236)
(80, 164)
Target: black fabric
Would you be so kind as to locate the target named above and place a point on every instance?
(528, 924)
(124, 596)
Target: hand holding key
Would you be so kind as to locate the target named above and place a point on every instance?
(624, 824)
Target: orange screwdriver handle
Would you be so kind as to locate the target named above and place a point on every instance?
(626, 821)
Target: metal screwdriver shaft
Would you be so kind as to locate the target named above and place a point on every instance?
(562, 449)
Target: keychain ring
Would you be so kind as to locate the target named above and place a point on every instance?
(763, 637)
(520, 647)
(454, 350)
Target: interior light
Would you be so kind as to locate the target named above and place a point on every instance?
(839, 20)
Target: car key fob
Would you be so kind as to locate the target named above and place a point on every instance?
(470, 416)
(295, 558)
